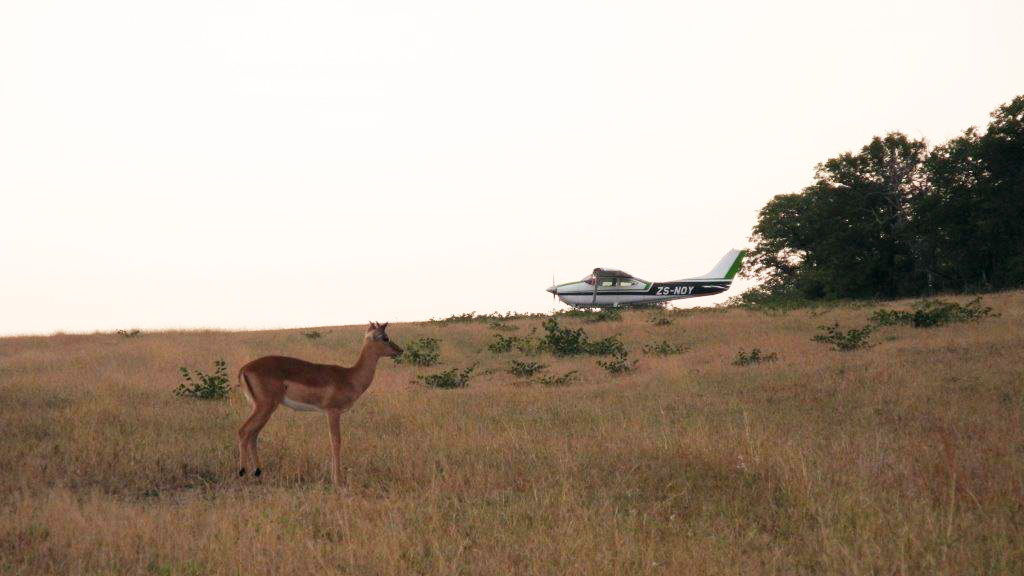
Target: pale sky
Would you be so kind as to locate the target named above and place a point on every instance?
(281, 164)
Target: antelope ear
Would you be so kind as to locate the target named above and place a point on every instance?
(373, 326)
(385, 326)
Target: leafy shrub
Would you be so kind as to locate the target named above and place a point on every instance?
(524, 369)
(754, 357)
(845, 341)
(312, 334)
(929, 313)
(129, 333)
(501, 324)
(593, 315)
(502, 344)
(606, 347)
(507, 316)
(563, 341)
(662, 349)
(422, 352)
(659, 320)
(619, 363)
(451, 378)
(204, 386)
(456, 318)
(562, 380)
(492, 318)
(888, 317)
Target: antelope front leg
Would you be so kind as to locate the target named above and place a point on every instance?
(334, 419)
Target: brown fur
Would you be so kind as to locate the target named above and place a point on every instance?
(270, 380)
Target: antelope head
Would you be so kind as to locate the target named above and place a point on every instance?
(378, 342)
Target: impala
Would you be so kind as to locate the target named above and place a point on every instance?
(271, 381)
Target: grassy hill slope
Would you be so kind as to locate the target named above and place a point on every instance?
(905, 457)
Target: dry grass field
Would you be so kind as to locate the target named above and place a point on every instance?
(903, 458)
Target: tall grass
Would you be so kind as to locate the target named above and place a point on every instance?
(901, 458)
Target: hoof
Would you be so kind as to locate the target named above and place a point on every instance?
(256, 473)
(241, 472)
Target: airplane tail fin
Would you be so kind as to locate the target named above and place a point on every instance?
(727, 267)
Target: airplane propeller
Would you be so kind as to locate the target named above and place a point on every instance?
(554, 293)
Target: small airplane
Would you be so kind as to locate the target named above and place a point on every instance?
(613, 288)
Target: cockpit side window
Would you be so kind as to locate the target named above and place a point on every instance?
(589, 279)
(607, 283)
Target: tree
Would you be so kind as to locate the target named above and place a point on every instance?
(848, 234)
(897, 220)
(1001, 221)
(972, 219)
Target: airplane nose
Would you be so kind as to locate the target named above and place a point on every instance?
(553, 289)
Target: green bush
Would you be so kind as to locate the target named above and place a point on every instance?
(205, 386)
(562, 380)
(312, 334)
(619, 363)
(754, 357)
(501, 324)
(129, 333)
(662, 349)
(524, 369)
(502, 344)
(593, 314)
(659, 320)
(563, 341)
(451, 378)
(456, 318)
(888, 317)
(930, 313)
(606, 347)
(422, 352)
(845, 341)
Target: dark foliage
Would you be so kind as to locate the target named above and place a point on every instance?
(422, 352)
(851, 339)
(606, 347)
(755, 356)
(560, 380)
(524, 344)
(563, 341)
(205, 386)
(896, 219)
(619, 363)
(929, 313)
(662, 348)
(451, 378)
(593, 314)
(524, 369)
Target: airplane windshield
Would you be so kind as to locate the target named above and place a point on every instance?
(620, 279)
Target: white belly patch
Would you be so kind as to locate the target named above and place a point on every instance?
(300, 406)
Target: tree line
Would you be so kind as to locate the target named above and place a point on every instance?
(899, 219)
